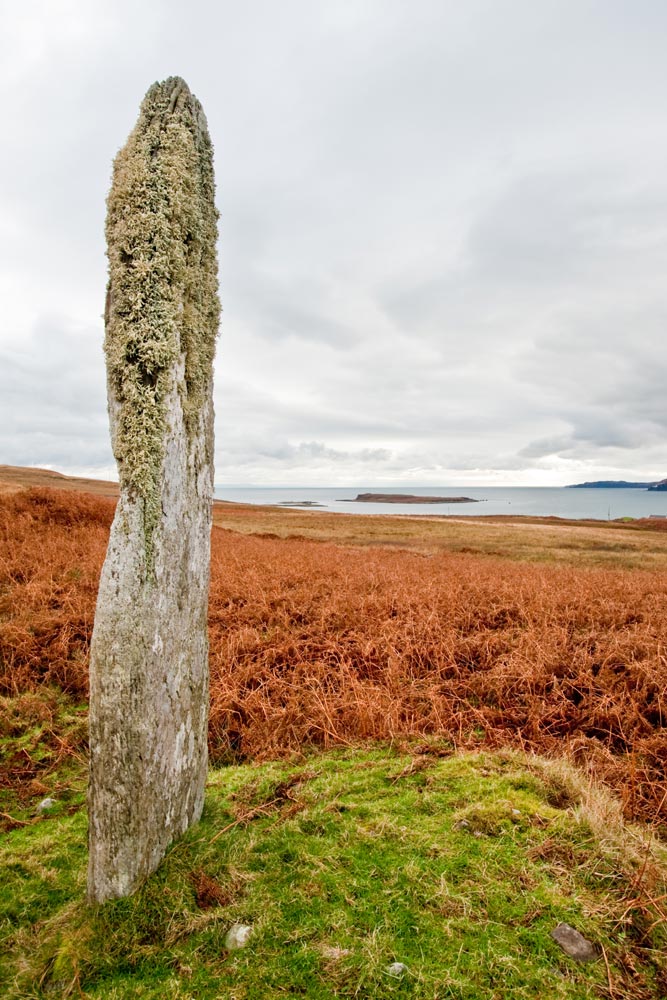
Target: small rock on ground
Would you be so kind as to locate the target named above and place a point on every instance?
(45, 805)
(574, 944)
(237, 936)
(396, 969)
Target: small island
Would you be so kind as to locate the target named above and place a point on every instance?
(300, 503)
(405, 498)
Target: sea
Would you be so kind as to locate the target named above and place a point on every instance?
(534, 501)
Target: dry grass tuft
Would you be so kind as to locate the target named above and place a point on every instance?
(209, 892)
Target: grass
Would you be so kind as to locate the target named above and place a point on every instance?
(639, 544)
(43, 749)
(343, 863)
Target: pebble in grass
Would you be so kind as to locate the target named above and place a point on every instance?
(238, 936)
(574, 944)
(45, 805)
(396, 969)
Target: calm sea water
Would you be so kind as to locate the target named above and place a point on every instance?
(536, 500)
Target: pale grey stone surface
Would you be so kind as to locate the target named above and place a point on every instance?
(149, 652)
(237, 936)
(396, 969)
(574, 944)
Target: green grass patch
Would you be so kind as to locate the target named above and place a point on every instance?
(459, 867)
(43, 748)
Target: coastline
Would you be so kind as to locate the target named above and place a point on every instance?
(545, 504)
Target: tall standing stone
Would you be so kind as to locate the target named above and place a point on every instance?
(149, 653)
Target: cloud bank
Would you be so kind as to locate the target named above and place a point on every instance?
(443, 233)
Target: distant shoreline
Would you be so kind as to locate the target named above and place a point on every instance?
(517, 503)
(611, 484)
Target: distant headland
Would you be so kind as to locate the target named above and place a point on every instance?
(617, 484)
(405, 498)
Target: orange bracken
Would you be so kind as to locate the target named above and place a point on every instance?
(321, 644)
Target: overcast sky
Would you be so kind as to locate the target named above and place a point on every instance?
(443, 250)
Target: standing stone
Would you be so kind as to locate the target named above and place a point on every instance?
(149, 652)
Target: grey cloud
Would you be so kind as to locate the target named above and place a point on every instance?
(546, 228)
(301, 309)
(306, 450)
(52, 399)
(593, 433)
(546, 446)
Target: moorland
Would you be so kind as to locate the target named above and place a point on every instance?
(375, 681)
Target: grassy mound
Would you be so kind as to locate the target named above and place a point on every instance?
(342, 864)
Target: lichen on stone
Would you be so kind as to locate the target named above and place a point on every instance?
(162, 309)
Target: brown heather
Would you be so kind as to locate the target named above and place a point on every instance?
(315, 644)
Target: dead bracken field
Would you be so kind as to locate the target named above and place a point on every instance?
(319, 644)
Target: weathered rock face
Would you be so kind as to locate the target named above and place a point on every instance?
(149, 654)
